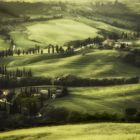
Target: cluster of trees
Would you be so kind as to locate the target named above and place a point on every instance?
(101, 4)
(6, 53)
(11, 52)
(4, 30)
(62, 115)
(29, 51)
(7, 82)
(51, 115)
(28, 91)
(133, 35)
(85, 42)
(33, 104)
(133, 57)
(60, 50)
(26, 106)
(123, 35)
(21, 103)
(69, 80)
(15, 73)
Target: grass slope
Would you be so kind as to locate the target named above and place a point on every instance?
(99, 63)
(60, 31)
(113, 99)
(52, 32)
(3, 44)
(103, 131)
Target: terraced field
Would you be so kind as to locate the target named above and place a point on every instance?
(103, 131)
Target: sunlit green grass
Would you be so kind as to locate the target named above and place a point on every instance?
(60, 31)
(100, 25)
(3, 44)
(101, 131)
(137, 43)
(57, 32)
(113, 99)
(99, 63)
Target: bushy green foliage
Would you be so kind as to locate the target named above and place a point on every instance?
(133, 57)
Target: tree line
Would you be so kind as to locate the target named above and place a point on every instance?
(11, 52)
(69, 80)
(75, 81)
(60, 115)
(132, 35)
(60, 50)
(85, 42)
(15, 73)
(123, 35)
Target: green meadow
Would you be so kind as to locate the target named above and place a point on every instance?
(97, 131)
(95, 64)
(3, 44)
(59, 31)
(52, 32)
(112, 99)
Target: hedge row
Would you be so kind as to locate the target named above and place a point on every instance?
(55, 116)
(65, 81)
(77, 81)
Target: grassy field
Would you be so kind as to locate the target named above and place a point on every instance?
(81, 20)
(3, 44)
(99, 63)
(101, 131)
(137, 43)
(52, 32)
(100, 25)
(59, 31)
(113, 99)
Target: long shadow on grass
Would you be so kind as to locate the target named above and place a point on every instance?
(23, 137)
(103, 97)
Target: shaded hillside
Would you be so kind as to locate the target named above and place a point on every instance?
(113, 13)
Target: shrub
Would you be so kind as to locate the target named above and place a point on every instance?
(133, 57)
(131, 111)
(54, 115)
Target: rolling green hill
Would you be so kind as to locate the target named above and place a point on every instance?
(52, 32)
(103, 131)
(121, 18)
(99, 63)
(59, 31)
(28, 24)
(113, 99)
